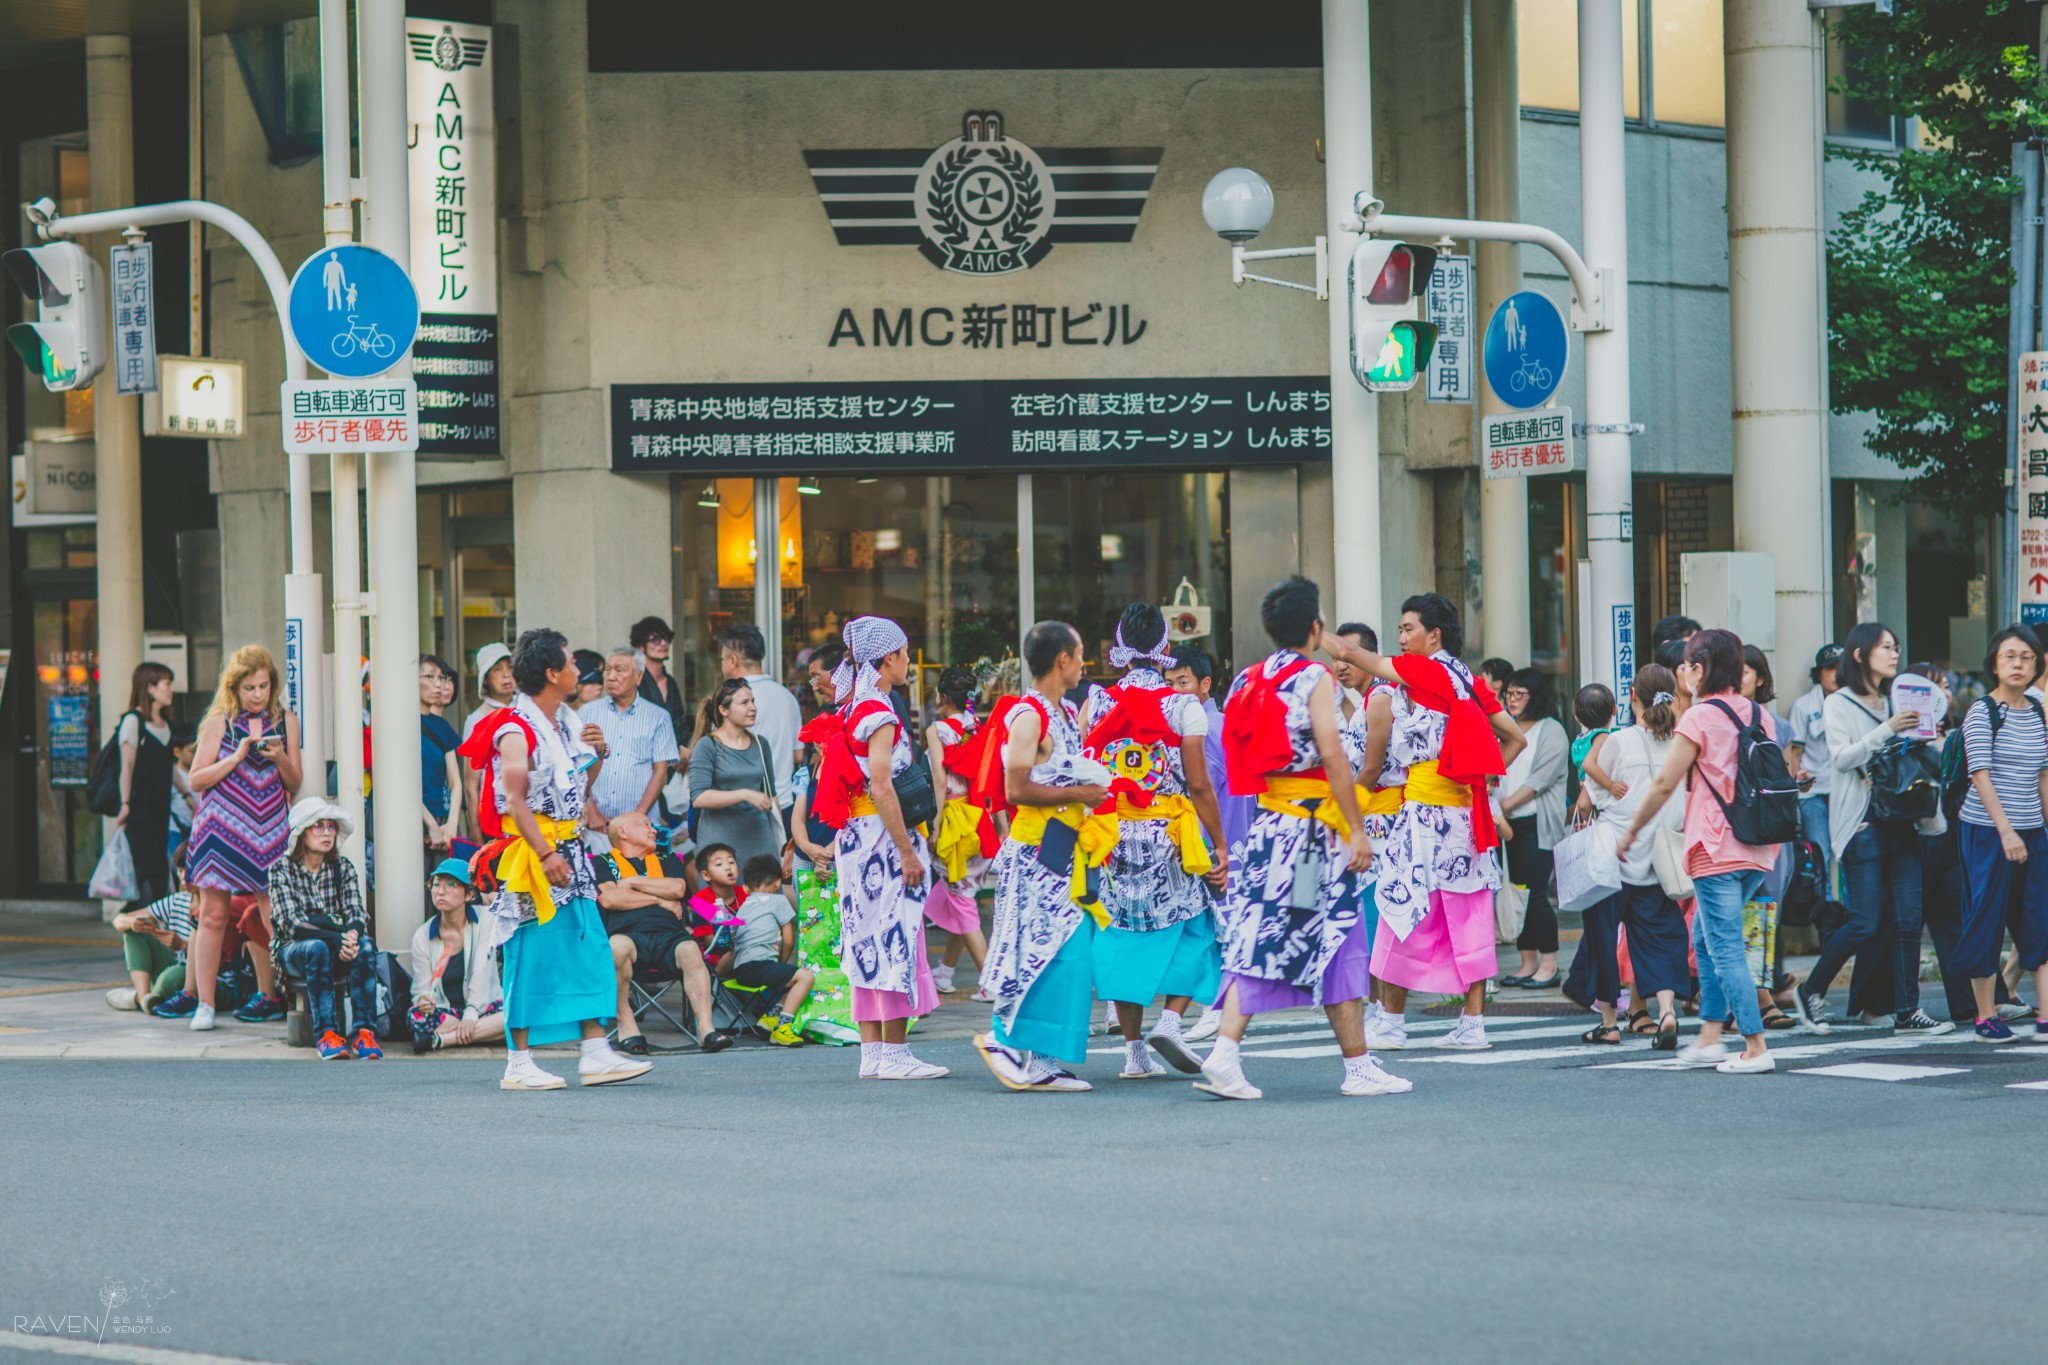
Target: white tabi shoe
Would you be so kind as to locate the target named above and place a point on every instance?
(1204, 1028)
(1467, 1035)
(1007, 1064)
(1228, 1085)
(606, 1067)
(527, 1075)
(1372, 1079)
(1055, 1080)
(904, 1067)
(1170, 1043)
(1143, 1067)
(1386, 1032)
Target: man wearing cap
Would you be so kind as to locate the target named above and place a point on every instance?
(1807, 754)
(495, 687)
(652, 637)
(320, 932)
(455, 995)
(589, 679)
(636, 741)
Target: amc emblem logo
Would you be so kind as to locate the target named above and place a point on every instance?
(984, 203)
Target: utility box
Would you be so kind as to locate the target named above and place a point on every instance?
(1735, 590)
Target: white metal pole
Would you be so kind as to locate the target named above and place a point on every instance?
(1503, 503)
(1604, 209)
(344, 470)
(1354, 412)
(1777, 314)
(393, 496)
(768, 572)
(1027, 563)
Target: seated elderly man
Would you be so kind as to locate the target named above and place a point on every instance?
(319, 931)
(456, 999)
(635, 738)
(643, 896)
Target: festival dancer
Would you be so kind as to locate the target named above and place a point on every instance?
(1294, 932)
(965, 838)
(558, 977)
(1041, 953)
(1438, 869)
(879, 858)
(1369, 727)
(1161, 940)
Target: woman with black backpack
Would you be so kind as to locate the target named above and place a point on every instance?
(1872, 819)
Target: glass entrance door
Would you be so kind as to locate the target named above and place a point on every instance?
(64, 667)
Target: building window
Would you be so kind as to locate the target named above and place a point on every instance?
(1681, 59)
(280, 66)
(1856, 119)
(1687, 84)
(1547, 48)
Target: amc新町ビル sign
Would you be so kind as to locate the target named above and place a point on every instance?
(322, 416)
(965, 426)
(983, 203)
(1537, 442)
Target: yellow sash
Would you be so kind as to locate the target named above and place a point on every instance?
(1285, 792)
(1380, 801)
(959, 838)
(861, 805)
(1426, 788)
(1096, 837)
(1184, 827)
(519, 866)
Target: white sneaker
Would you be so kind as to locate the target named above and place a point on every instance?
(122, 998)
(1006, 1063)
(1204, 1028)
(2014, 1009)
(1372, 1079)
(1748, 1066)
(1467, 1035)
(1386, 1033)
(904, 1067)
(202, 1019)
(981, 996)
(1169, 1042)
(1142, 1067)
(942, 977)
(1059, 1080)
(602, 1068)
(1702, 1055)
(527, 1075)
(1227, 1084)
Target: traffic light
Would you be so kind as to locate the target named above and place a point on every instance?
(1390, 344)
(67, 343)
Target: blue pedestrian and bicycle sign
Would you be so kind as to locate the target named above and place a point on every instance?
(1526, 348)
(353, 311)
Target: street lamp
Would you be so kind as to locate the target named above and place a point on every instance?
(1237, 204)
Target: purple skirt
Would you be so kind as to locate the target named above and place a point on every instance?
(1347, 977)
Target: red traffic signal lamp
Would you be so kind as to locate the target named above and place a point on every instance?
(1390, 344)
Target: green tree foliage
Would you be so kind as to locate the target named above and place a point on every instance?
(1919, 272)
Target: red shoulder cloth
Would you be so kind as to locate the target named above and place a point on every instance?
(1255, 741)
(985, 786)
(1471, 753)
(1135, 713)
(841, 773)
(478, 748)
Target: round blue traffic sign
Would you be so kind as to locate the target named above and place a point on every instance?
(353, 311)
(1526, 348)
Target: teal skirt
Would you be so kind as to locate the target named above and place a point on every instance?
(1054, 1014)
(1181, 959)
(559, 974)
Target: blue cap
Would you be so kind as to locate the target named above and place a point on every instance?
(452, 868)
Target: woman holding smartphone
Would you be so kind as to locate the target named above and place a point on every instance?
(243, 777)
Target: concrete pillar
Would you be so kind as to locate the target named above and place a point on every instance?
(1777, 310)
(1265, 547)
(1354, 413)
(117, 420)
(1503, 503)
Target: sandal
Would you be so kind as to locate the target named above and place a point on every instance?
(718, 1040)
(1640, 1024)
(1607, 1035)
(1777, 1019)
(635, 1046)
(1667, 1035)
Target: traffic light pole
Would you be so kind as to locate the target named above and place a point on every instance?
(303, 635)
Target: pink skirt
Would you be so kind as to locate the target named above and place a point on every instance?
(1447, 953)
(881, 1007)
(952, 910)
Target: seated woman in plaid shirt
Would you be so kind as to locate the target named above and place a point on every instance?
(320, 931)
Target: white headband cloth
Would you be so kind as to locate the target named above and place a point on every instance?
(1123, 656)
(869, 640)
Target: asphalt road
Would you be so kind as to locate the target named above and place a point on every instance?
(762, 1206)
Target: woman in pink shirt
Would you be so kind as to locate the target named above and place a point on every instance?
(1726, 873)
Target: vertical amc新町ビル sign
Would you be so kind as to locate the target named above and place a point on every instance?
(2032, 476)
(453, 167)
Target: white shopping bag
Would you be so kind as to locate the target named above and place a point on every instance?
(1588, 871)
(113, 878)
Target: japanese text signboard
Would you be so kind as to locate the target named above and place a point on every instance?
(453, 168)
(1529, 443)
(2032, 477)
(134, 318)
(324, 416)
(972, 425)
(1448, 304)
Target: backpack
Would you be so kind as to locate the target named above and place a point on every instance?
(1766, 805)
(1955, 759)
(103, 782)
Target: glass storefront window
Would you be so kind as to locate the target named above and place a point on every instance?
(479, 579)
(61, 547)
(67, 835)
(714, 574)
(1547, 55)
(1553, 545)
(1103, 540)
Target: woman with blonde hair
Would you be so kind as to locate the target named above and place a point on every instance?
(243, 776)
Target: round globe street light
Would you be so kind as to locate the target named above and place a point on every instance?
(1237, 204)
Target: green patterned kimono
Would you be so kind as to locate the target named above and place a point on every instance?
(827, 1015)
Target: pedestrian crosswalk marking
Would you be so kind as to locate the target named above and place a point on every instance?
(2029, 1085)
(1880, 1071)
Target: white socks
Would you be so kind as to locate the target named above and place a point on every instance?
(596, 1047)
(872, 1052)
(1360, 1065)
(1224, 1054)
(1135, 1054)
(1169, 1021)
(517, 1056)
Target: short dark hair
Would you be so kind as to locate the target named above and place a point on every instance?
(1367, 636)
(1542, 700)
(1142, 626)
(956, 685)
(1497, 672)
(761, 870)
(1669, 655)
(1593, 707)
(646, 628)
(1289, 611)
(1673, 627)
(1766, 686)
(1435, 612)
(1044, 644)
(827, 656)
(2015, 632)
(704, 855)
(1719, 652)
(537, 653)
(744, 639)
(439, 664)
(1851, 671)
(1194, 659)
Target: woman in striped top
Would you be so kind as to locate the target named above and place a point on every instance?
(2000, 840)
